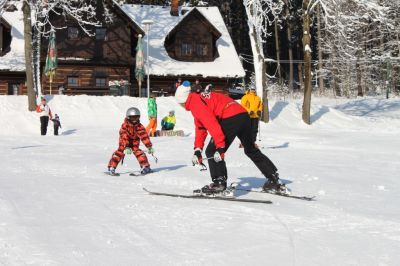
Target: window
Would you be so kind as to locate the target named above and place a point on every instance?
(73, 33)
(73, 81)
(100, 33)
(101, 82)
(186, 49)
(13, 89)
(202, 49)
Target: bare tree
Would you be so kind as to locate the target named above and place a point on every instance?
(26, 9)
(2, 6)
(37, 15)
(258, 17)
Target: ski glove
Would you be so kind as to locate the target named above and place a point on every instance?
(219, 155)
(151, 150)
(197, 157)
(128, 151)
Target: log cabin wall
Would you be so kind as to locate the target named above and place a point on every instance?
(12, 83)
(87, 63)
(85, 79)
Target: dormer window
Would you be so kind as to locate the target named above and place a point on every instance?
(193, 39)
(202, 49)
(186, 49)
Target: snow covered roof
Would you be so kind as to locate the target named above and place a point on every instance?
(161, 64)
(15, 59)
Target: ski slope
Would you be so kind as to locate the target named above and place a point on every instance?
(58, 208)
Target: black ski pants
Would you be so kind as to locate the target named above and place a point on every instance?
(56, 126)
(238, 126)
(254, 128)
(44, 122)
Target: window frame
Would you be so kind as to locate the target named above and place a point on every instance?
(72, 84)
(98, 85)
(69, 33)
(200, 48)
(186, 49)
(104, 34)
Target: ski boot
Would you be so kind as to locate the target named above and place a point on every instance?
(111, 171)
(145, 170)
(218, 187)
(273, 185)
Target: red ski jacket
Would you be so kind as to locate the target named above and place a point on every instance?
(207, 109)
(132, 133)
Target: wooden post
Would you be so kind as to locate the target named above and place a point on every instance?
(1, 39)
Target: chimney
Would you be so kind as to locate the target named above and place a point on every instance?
(174, 8)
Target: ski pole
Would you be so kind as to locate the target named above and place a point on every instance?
(155, 158)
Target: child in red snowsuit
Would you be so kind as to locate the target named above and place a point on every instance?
(131, 133)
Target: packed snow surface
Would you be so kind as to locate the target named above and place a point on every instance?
(57, 207)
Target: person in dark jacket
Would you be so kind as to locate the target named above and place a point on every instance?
(224, 119)
(56, 124)
(196, 87)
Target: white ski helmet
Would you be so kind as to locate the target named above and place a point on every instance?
(133, 111)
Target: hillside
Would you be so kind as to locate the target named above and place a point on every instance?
(58, 208)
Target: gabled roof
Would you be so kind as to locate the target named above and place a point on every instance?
(195, 12)
(123, 15)
(227, 65)
(15, 59)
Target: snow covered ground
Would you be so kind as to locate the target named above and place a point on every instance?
(58, 208)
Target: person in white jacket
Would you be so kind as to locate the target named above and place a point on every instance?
(45, 114)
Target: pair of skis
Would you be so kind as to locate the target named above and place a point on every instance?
(230, 190)
(135, 173)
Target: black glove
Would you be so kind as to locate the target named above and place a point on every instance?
(197, 157)
(258, 113)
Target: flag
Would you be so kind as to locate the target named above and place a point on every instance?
(139, 70)
(51, 59)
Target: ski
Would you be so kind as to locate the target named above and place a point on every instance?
(206, 197)
(139, 173)
(135, 173)
(108, 173)
(307, 198)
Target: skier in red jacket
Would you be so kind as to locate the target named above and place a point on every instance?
(224, 119)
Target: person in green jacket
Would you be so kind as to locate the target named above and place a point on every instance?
(169, 121)
(152, 113)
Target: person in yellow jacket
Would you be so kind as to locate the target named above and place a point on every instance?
(169, 121)
(253, 104)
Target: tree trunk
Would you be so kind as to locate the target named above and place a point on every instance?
(359, 79)
(36, 61)
(28, 56)
(320, 77)
(307, 63)
(278, 61)
(258, 60)
(300, 68)
(290, 51)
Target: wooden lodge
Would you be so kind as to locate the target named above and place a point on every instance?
(185, 43)
(12, 60)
